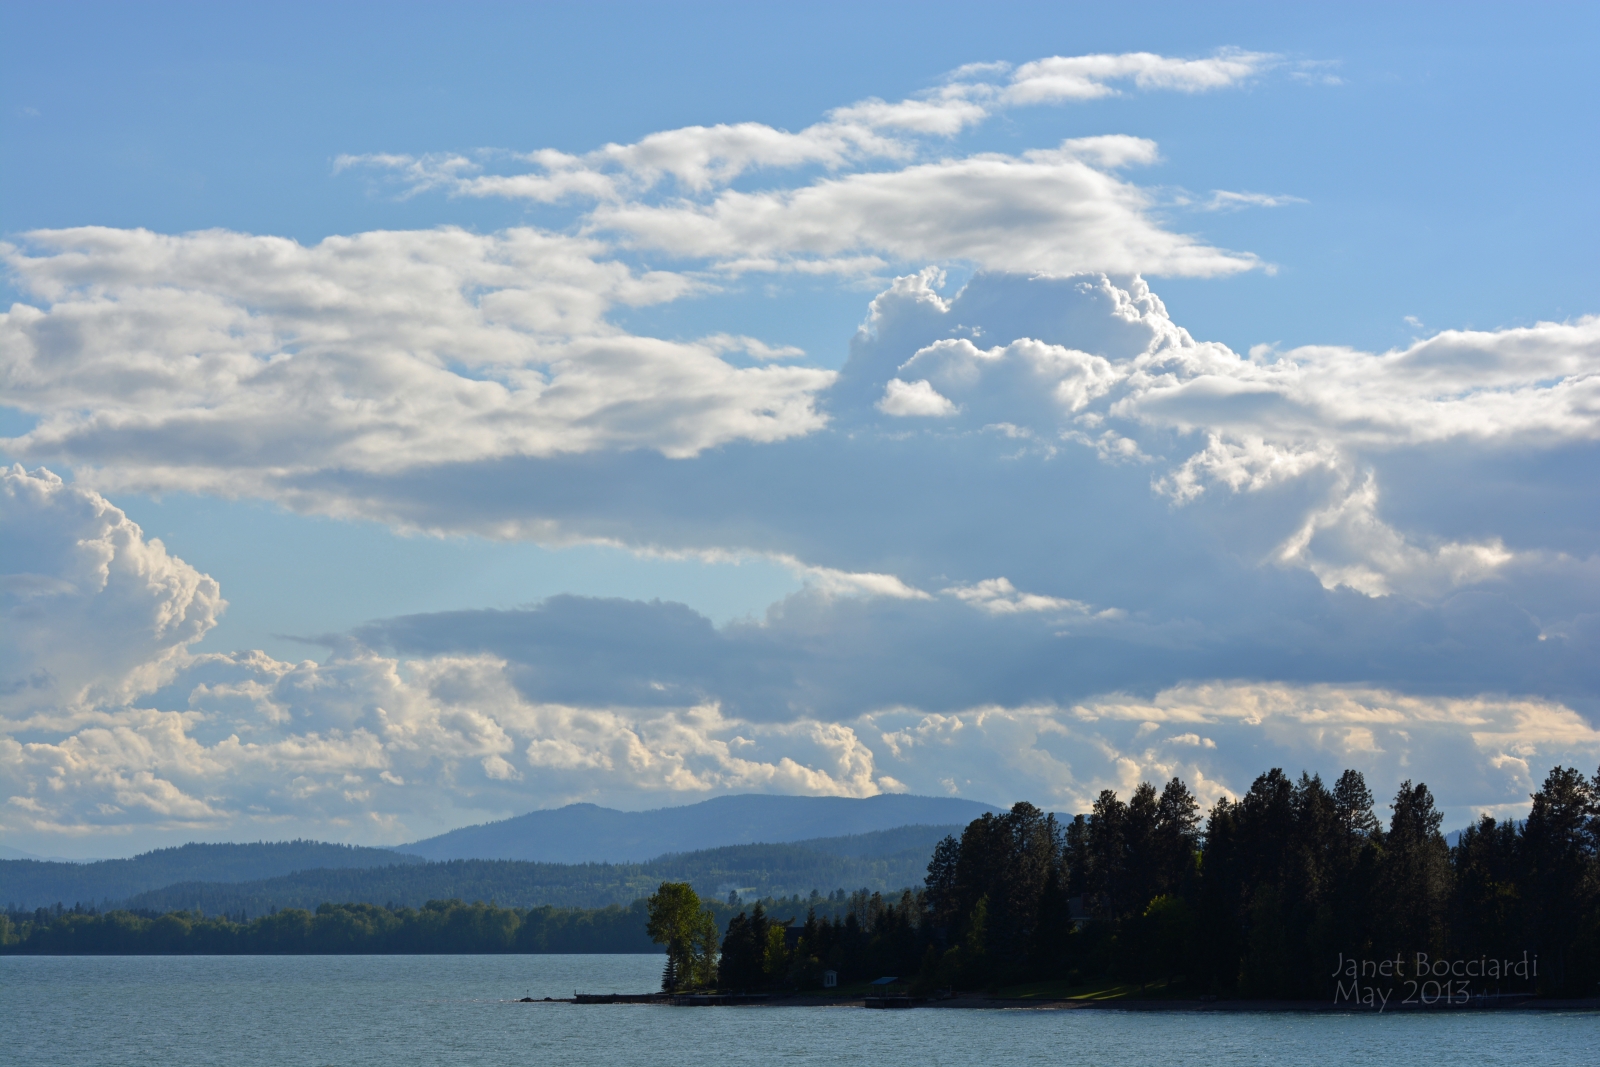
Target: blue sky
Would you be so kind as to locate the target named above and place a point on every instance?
(1018, 404)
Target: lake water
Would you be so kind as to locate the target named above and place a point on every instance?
(393, 1011)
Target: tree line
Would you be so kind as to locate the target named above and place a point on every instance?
(439, 926)
(1266, 896)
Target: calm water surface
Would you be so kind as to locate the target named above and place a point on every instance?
(394, 1011)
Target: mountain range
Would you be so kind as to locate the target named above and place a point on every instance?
(587, 833)
(883, 861)
(579, 855)
(41, 883)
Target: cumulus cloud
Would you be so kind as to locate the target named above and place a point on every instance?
(368, 747)
(377, 747)
(1072, 341)
(1061, 78)
(1478, 754)
(1347, 544)
(300, 387)
(1008, 381)
(857, 684)
(1094, 362)
(1532, 385)
(1056, 211)
(94, 613)
(918, 398)
(1016, 496)
(215, 359)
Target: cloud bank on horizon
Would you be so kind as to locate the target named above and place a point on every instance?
(1051, 543)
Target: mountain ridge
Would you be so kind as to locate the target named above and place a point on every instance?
(589, 833)
(882, 860)
(41, 883)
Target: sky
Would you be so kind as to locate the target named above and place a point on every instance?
(419, 414)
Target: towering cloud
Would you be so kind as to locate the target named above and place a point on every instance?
(94, 613)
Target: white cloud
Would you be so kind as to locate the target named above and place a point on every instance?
(1266, 420)
(1048, 211)
(1058, 210)
(1062, 78)
(1025, 382)
(753, 347)
(828, 583)
(1092, 362)
(918, 398)
(1347, 544)
(997, 596)
(215, 360)
(239, 365)
(94, 613)
(368, 747)
(1477, 753)
(701, 158)
(454, 381)
(1245, 464)
(1534, 384)
(1106, 151)
(1223, 200)
(137, 738)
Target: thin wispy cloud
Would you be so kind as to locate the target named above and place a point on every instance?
(887, 171)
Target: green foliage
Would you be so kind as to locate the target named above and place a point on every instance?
(1283, 882)
(745, 965)
(1263, 903)
(678, 920)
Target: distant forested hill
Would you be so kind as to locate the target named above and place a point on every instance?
(886, 860)
(587, 833)
(34, 883)
(882, 844)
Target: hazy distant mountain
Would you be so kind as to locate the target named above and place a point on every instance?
(587, 833)
(877, 844)
(33, 884)
(9, 853)
(885, 860)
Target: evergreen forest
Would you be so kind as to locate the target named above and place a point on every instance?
(1268, 896)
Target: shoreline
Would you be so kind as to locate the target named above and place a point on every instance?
(987, 1002)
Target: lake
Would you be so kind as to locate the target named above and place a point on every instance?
(392, 1011)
